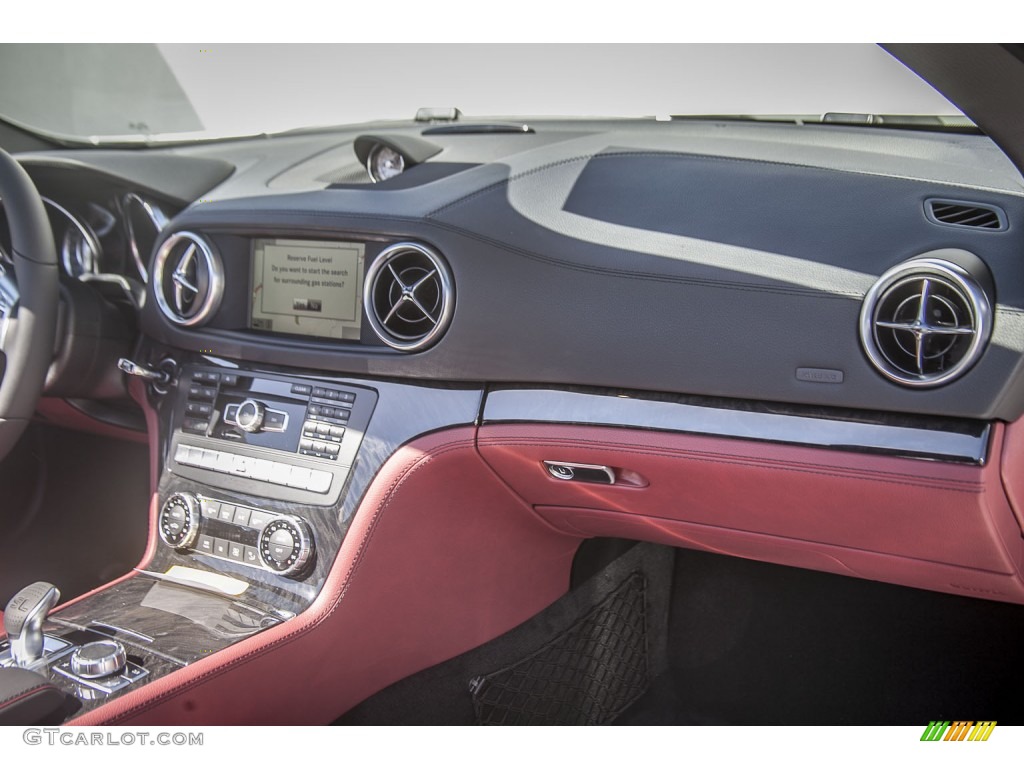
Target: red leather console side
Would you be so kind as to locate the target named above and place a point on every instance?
(440, 558)
(925, 524)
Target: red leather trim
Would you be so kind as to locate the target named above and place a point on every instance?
(60, 413)
(439, 558)
(925, 524)
(1012, 468)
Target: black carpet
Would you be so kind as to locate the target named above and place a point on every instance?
(737, 642)
(583, 660)
(754, 643)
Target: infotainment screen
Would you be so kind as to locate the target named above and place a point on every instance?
(307, 287)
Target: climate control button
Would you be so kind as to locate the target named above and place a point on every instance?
(286, 546)
(179, 520)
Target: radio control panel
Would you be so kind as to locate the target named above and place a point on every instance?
(296, 438)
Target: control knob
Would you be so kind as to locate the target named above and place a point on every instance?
(286, 546)
(100, 658)
(179, 520)
(250, 415)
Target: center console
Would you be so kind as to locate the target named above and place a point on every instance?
(260, 474)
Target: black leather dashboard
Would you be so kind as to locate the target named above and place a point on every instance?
(706, 258)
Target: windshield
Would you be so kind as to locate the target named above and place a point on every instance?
(116, 93)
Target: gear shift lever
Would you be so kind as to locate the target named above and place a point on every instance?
(23, 621)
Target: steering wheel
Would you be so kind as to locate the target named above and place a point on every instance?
(28, 302)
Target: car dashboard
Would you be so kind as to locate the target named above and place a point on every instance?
(414, 365)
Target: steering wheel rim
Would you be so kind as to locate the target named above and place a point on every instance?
(27, 330)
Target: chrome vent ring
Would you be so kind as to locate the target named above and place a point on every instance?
(925, 322)
(188, 279)
(409, 296)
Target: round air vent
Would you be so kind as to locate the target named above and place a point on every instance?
(925, 322)
(409, 296)
(188, 279)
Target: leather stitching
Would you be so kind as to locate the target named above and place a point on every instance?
(10, 700)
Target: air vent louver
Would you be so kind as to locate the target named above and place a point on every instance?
(188, 279)
(925, 322)
(409, 296)
(961, 214)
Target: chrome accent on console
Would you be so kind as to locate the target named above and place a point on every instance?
(297, 554)
(100, 658)
(258, 421)
(192, 291)
(128, 674)
(23, 621)
(179, 519)
(558, 406)
(53, 649)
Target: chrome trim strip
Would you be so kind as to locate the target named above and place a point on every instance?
(554, 406)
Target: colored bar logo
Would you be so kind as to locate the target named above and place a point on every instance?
(959, 730)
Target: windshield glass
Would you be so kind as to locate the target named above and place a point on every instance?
(108, 93)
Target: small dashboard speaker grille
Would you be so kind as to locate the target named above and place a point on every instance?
(188, 279)
(409, 296)
(925, 322)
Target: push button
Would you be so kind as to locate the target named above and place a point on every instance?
(196, 426)
(236, 551)
(258, 519)
(199, 409)
(275, 420)
(241, 516)
(282, 544)
(319, 481)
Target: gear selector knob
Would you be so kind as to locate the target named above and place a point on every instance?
(23, 620)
